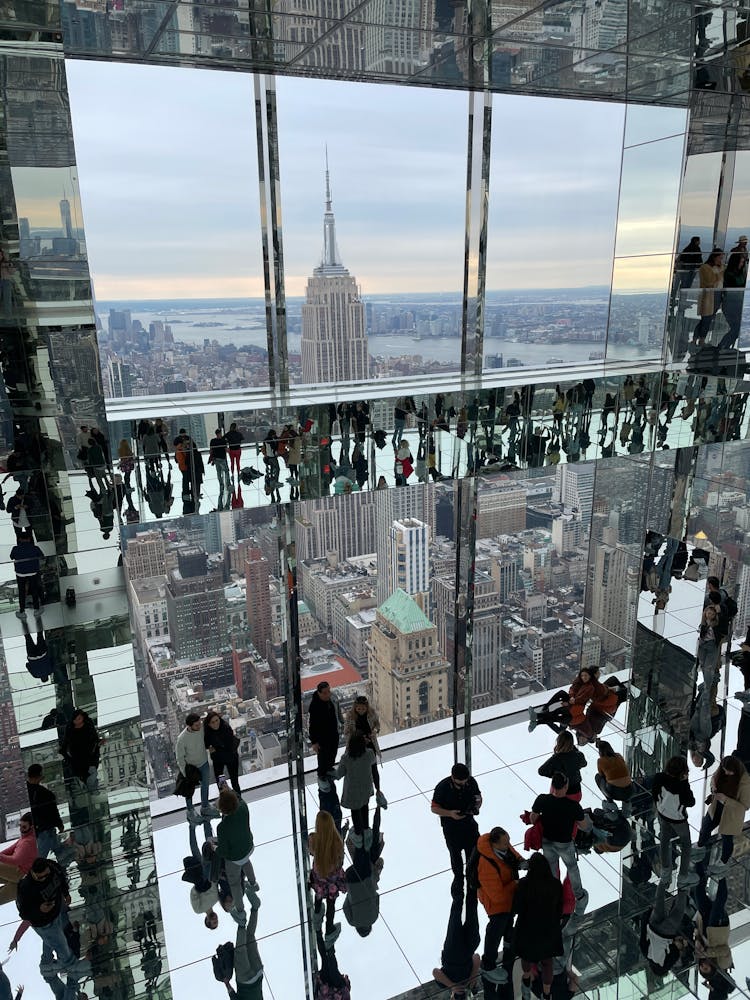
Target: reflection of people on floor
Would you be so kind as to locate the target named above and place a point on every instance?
(27, 563)
(248, 967)
(662, 940)
(38, 660)
(459, 961)
(48, 823)
(81, 748)
(362, 904)
(329, 980)
(16, 860)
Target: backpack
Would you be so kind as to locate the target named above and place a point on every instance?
(730, 605)
(223, 962)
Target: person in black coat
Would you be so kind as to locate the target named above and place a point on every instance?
(80, 747)
(324, 731)
(222, 746)
(567, 759)
(537, 904)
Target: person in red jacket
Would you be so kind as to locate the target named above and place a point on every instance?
(566, 709)
(497, 866)
(16, 861)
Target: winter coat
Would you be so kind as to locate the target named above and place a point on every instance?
(580, 694)
(234, 837)
(570, 764)
(324, 721)
(497, 884)
(733, 813)
(538, 933)
(202, 902)
(710, 277)
(357, 775)
(362, 903)
(351, 727)
(672, 796)
(222, 740)
(717, 948)
(81, 747)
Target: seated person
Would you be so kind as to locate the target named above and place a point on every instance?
(566, 709)
(613, 775)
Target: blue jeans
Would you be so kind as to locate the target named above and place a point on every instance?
(48, 842)
(54, 940)
(555, 852)
(204, 787)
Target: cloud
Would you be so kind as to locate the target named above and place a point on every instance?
(168, 172)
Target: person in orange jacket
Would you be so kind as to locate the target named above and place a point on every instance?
(497, 867)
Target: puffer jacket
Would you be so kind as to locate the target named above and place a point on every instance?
(497, 885)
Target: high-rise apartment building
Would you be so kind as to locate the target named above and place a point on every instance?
(145, 555)
(410, 559)
(408, 502)
(334, 337)
(257, 578)
(196, 606)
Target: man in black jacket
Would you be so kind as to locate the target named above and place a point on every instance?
(44, 812)
(41, 896)
(324, 731)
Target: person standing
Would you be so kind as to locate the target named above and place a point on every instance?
(459, 961)
(16, 860)
(81, 747)
(248, 967)
(324, 731)
(234, 439)
(362, 718)
(327, 879)
(735, 279)
(235, 845)
(355, 768)
(27, 563)
(42, 896)
(711, 276)
(559, 814)
(191, 749)
(730, 800)
(457, 800)
(689, 259)
(222, 745)
(48, 824)
(537, 905)
(497, 867)
(217, 456)
(673, 796)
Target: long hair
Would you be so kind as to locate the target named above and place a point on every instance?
(539, 870)
(210, 715)
(605, 749)
(728, 784)
(328, 847)
(564, 742)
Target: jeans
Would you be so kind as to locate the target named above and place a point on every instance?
(247, 963)
(54, 940)
(233, 767)
(30, 586)
(556, 852)
(222, 474)
(668, 830)
(204, 788)
(326, 759)
(48, 842)
(398, 432)
(708, 825)
(234, 878)
(613, 792)
(668, 923)
(499, 927)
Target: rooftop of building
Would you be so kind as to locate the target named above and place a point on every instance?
(335, 669)
(403, 611)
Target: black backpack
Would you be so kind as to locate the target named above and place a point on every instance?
(223, 962)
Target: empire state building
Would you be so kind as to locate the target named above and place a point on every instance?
(334, 339)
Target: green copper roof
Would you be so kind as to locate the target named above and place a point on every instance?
(404, 612)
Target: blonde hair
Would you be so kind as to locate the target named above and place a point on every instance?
(326, 845)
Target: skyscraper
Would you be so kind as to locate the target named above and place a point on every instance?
(410, 559)
(399, 505)
(67, 221)
(334, 338)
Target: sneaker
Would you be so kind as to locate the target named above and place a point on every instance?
(324, 785)
(332, 937)
(210, 813)
(582, 902)
(356, 839)
(697, 853)
(381, 800)
(251, 894)
(193, 818)
(687, 881)
(499, 975)
(239, 916)
(533, 722)
(743, 696)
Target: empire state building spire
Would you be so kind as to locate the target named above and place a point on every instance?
(331, 260)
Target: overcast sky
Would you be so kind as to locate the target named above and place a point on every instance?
(169, 180)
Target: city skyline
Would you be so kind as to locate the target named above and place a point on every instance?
(395, 154)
